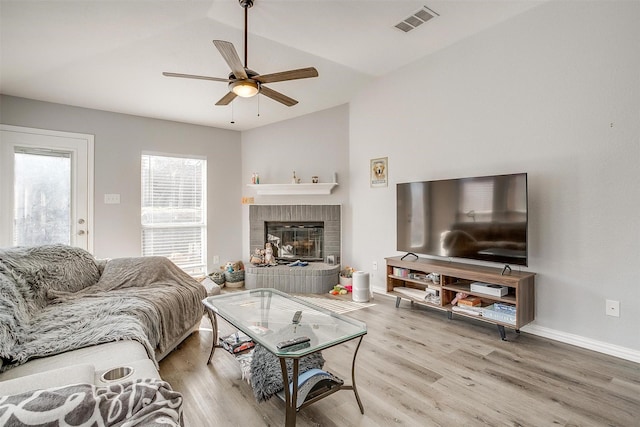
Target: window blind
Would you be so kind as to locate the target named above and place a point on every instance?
(173, 213)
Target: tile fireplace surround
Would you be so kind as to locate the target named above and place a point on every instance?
(328, 214)
(318, 277)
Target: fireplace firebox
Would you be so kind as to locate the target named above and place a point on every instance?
(302, 215)
(296, 240)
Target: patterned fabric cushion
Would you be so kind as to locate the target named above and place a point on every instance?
(147, 402)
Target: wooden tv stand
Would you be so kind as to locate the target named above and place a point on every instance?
(457, 277)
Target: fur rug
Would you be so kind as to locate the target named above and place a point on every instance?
(266, 373)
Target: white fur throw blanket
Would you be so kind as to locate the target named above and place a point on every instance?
(54, 299)
(146, 402)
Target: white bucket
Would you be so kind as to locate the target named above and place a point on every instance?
(360, 291)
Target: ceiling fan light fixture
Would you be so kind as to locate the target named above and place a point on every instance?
(245, 88)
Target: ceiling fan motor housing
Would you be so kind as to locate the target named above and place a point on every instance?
(245, 88)
(246, 3)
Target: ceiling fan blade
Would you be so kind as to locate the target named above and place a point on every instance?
(301, 73)
(230, 55)
(225, 100)
(277, 96)
(191, 76)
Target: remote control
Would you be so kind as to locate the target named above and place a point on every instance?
(297, 347)
(296, 317)
(292, 342)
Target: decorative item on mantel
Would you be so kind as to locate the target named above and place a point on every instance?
(314, 179)
(255, 178)
(346, 275)
(295, 179)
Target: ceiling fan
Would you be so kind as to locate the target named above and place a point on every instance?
(245, 82)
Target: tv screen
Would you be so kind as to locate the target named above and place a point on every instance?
(480, 218)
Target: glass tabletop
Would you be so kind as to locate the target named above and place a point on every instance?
(266, 315)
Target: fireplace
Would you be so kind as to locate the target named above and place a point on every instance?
(304, 232)
(296, 240)
(296, 232)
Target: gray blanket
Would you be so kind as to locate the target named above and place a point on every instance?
(148, 299)
(150, 282)
(143, 402)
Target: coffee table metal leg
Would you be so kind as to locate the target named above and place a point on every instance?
(353, 376)
(290, 397)
(214, 328)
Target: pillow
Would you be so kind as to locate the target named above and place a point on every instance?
(14, 313)
(212, 287)
(55, 267)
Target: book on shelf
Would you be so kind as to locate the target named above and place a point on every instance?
(472, 310)
(400, 272)
(470, 301)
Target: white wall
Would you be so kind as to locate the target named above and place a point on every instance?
(119, 141)
(315, 144)
(554, 92)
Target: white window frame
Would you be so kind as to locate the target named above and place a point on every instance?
(193, 269)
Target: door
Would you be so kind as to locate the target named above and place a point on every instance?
(46, 187)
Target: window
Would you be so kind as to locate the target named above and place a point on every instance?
(174, 210)
(42, 197)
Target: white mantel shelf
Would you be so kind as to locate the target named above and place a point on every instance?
(321, 188)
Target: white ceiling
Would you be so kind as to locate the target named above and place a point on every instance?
(110, 55)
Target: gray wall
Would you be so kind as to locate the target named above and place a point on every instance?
(119, 141)
(315, 144)
(554, 92)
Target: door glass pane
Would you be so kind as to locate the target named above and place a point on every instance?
(42, 192)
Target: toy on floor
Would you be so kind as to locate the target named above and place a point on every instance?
(341, 290)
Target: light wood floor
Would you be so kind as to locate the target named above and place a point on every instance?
(416, 368)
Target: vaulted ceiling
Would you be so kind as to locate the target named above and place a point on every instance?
(110, 55)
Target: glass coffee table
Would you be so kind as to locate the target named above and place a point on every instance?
(268, 316)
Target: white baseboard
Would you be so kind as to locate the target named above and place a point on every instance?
(579, 341)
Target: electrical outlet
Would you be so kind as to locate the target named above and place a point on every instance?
(216, 259)
(613, 308)
(375, 265)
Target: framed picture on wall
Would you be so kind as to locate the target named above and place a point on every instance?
(379, 170)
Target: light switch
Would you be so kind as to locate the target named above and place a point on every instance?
(111, 199)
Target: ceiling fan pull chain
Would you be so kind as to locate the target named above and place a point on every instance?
(258, 100)
(232, 121)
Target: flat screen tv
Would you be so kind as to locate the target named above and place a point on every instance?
(479, 218)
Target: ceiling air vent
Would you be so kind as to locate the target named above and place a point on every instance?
(417, 19)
